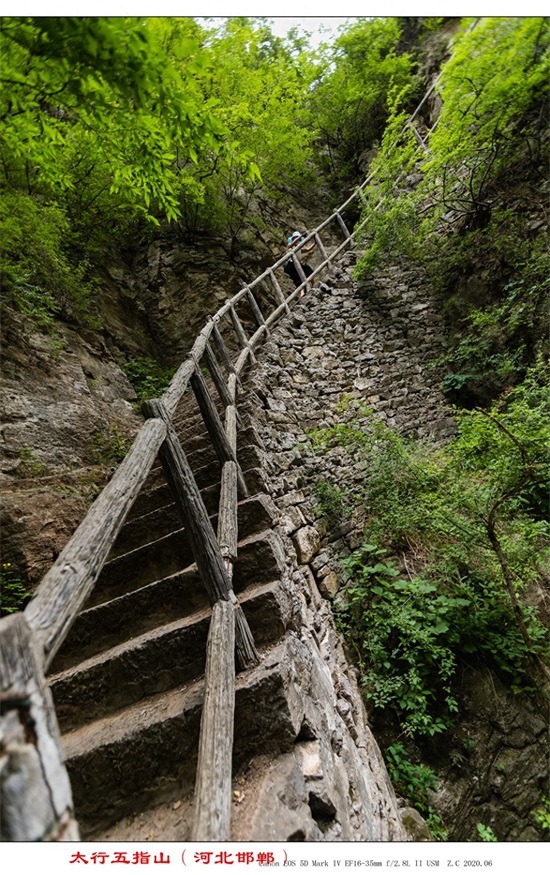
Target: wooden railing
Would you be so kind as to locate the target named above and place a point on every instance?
(35, 793)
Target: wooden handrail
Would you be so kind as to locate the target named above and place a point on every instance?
(71, 578)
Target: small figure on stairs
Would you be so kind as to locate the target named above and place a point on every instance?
(289, 267)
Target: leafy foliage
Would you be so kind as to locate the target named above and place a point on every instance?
(463, 208)
(351, 103)
(259, 82)
(542, 814)
(14, 592)
(469, 523)
(147, 377)
(110, 445)
(415, 783)
(107, 88)
(331, 502)
(485, 833)
(40, 279)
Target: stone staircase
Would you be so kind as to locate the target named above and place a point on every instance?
(128, 682)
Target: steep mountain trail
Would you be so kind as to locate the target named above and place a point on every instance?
(127, 682)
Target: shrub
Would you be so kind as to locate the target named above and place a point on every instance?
(468, 522)
(148, 378)
(40, 276)
(110, 445)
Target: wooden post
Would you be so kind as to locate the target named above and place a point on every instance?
(214, 426)
(35, 794)
(227, 517)
(217, 376)
(212, 815)
(191, 507)
(247, 654)
(206, 549)
(178, 385)
(321, 248)
(278, 291)
(237, 325)
(241, 333)
(342, 225)
(222, 349)
(258, 315)
(299, 267)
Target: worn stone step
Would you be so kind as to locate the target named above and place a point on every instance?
(259, 558)
(206, 466)
(147, 752)
(157, 660)
(101, 626)
(135, 569)
(161, 496)
(141, 530)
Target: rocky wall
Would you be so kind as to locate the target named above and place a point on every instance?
(373, 343)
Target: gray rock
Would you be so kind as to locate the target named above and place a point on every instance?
(307, 543)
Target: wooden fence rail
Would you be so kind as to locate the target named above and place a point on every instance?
(35, 794)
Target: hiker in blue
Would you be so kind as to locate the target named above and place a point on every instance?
(290, 267)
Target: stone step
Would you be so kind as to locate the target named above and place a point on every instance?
(102, 626)
(157, 660)
(147, 752)
(161, 496)
(258, 555)
(163, 520)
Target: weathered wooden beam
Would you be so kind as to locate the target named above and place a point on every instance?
(214, 427)
(212, 812)
(178, 385)
(245, 649)
(342, 225)
(230, 426)
(191, 507)
(242, 359)
(321, 248)
(206, 549)
(222, 349)
(35, 794)
(278, 293)
(282, 308)
(241, 333)
(227, 516)
(258, 315)
(70, 580)
(232, 386)
(261, 333)
(217, 376)
(197, 350)
(299, 267)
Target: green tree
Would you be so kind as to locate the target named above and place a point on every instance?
(350, 104)
(260, 83)
(103, 87)
(463, 208)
